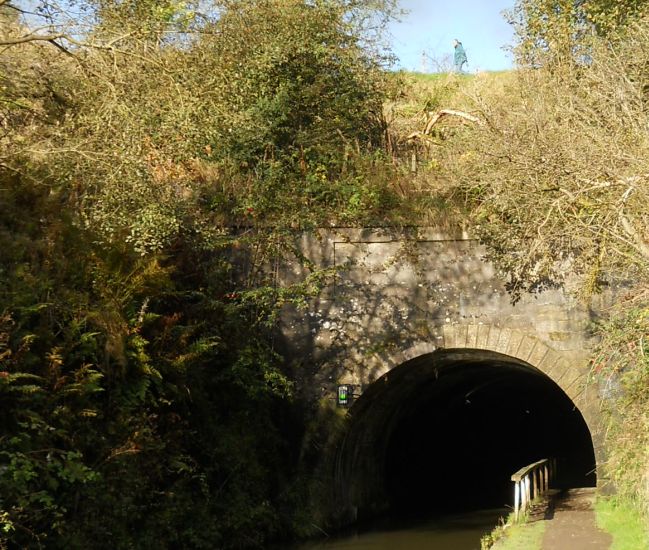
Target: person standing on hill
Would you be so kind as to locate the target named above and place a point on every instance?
(460, 56)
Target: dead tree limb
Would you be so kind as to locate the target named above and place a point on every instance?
(422, 137)
(632, 233)
(31, 38)
(436, 117)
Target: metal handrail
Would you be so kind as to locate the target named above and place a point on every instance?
(530, 482)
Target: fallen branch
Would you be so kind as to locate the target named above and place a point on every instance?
(436, 117)
(638, 242)
(421, 136)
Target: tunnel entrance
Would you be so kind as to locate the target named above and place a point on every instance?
(445, 431)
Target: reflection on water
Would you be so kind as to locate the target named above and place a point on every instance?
(457, 532)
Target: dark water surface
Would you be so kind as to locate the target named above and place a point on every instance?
(456, 532)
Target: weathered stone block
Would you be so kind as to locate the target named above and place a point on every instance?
(537, 353)
(482, 341)
(514, 343)
(503, 341)
(449, 336)
(494, 338)
(461, 336)
(472, 336)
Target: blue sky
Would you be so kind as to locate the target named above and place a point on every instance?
(431, 26)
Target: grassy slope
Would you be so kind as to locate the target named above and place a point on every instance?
(416, 96)
(427, 92)
(624, 523)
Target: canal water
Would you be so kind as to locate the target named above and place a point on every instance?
(454, 532)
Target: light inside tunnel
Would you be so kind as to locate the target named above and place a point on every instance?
(445, 431)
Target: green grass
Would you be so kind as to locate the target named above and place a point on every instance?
(436, 77)
(626, 524)
(523, 536)
(432, 77)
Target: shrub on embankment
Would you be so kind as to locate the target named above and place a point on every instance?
(621, 368)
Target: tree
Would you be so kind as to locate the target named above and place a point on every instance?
(611, 16)
(550, 30)
(547, 29)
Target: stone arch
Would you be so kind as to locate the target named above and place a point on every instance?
(512, 342)
(570, 376)
(500, 343)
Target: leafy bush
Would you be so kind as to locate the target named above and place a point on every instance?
(621, 367)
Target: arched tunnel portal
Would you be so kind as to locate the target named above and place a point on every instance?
(444, 432)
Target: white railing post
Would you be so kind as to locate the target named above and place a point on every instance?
(517, 492)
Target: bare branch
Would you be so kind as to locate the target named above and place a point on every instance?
(638, 243)
(435, 118)
(32, 38)
(421, 136)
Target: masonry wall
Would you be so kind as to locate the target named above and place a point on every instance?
(396, 290)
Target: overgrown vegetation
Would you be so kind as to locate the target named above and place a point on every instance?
(622, 370)
(142, 158)
(558, 169)
(156, 161)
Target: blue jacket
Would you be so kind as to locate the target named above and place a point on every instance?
(460, 54)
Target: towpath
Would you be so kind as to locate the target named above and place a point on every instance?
(568, 523)
(571, 523)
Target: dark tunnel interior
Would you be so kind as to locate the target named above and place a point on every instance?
(445, 432)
